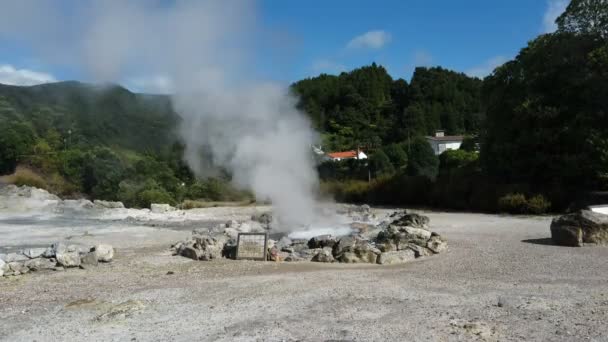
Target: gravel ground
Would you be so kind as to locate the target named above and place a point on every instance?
(501, 280)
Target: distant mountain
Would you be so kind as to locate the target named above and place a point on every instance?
(94, 114)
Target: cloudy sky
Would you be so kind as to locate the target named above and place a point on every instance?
(296, 39)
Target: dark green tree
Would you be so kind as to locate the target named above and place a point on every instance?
(381, 165)
(585, 17)
(422, 161)
(396, 155)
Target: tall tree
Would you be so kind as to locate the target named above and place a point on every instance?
(585, 17)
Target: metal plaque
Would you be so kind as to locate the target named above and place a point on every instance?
(252, 246)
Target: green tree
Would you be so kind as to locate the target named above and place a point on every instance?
(585, 17)
(17, 141)
(422, 160)
(396, 155)
(380, 164)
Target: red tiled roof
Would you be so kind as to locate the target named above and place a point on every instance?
(345, 154)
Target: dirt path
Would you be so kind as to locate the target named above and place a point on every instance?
(500, 281)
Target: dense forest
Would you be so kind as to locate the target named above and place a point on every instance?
(536, 132)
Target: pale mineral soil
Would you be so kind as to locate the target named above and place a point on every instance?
(499, 281)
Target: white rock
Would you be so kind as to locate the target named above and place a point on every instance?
(33, 253)
(3, 267)
(109, 204)
(396, 257)
(105, 253)
(68, 259)
(14, 257)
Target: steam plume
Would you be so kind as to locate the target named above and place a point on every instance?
(202, 47)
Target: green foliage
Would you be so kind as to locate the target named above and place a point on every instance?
(469, 144)
(381, 165)
(422, 160)
(17, 140)
(585, 17)
(451, 160)
(397, 156)
(547, 109)
(516, 203)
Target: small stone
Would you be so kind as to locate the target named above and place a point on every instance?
(170, 273)
(437, 244)
(105, 253)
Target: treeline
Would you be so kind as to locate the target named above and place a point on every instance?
(540, 120)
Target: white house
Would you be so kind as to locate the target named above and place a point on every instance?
(337, 156)
(441, 142)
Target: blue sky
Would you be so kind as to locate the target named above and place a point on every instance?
(304, 38)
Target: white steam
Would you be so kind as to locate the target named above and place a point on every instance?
(202, 48)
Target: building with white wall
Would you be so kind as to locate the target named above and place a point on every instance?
(441, 142)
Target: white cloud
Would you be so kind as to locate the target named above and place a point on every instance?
(23, 77)
(157, 84)
(370, 40)
(327, 66)
(487, 67)
(554, 9)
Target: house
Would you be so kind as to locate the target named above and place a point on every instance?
(337, 156)
(441, 142)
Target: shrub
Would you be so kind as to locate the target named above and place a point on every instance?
(149, 196)
(422, 160)
(381, 165)
(538, 204)
(25, 176)
(512, 203)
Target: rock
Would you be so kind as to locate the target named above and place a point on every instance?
(264, 218)
(232, 224)
(322, 241)
(410, 220)
(3, 267)
(39, 264)
(2, 257)
(15, 257)
(90, 258)
(352, 249)
(324, 255)
(584, 226)
(437, 244)
(161, 208)
(190, 252)
(33, 253)
(109, 204)
(396, 257)
(18, 267)
(294, 257)
(68, 259)
(105, 253)
(420, 251)
(401, 236)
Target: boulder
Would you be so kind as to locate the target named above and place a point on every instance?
(401, 236)
(410, 220)
(205, 247)
(3, 267)
(324, 255)
(352, 249)
(437, 244)
(322, 241)
(231, 233)
(18, 267)
(396, 257)
(190, 252)
(68, 259)
(33, 253)
(584, 226)
(420, 251)
(39, 264)
(161, 208)
(105, 253)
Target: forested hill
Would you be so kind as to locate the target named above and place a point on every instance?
(89, 115)
(367, 107)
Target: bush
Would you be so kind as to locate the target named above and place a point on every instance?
(396, 154)
(538, 205)
(158, 195)
(512, 203)
(516, 203)
(381, 165)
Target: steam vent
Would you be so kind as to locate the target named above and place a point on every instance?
(399, 238)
